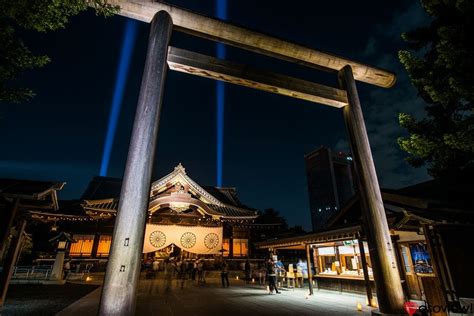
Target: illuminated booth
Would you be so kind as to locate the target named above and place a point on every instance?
(428, 235)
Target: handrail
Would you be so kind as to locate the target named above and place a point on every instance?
(32, 272)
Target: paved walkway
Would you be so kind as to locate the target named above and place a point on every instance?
(238, 299)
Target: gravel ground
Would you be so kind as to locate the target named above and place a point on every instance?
(42, 299)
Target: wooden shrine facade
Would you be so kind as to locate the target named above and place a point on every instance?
(176, 201)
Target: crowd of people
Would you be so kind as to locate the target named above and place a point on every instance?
(177, 269)
(195, 270)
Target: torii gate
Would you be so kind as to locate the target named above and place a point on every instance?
(123, 268)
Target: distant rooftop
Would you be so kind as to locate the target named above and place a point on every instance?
(28, 188)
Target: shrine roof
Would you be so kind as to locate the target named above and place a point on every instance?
(28, 188)
(102, 194)
(102, 188)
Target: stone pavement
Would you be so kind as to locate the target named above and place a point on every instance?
(239, 299)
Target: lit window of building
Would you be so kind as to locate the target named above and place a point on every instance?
(240, 247)
(225, 246)
(83, 246)
(104, 245)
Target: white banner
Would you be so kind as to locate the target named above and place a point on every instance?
(195, 239)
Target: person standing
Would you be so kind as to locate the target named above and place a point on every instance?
(248, 271)
(169, 271)
(271, 273)
(225, 274)
(155, 267)
(67, 268)
(195, 269)
(200, 271)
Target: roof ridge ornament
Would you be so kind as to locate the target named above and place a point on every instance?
(180, 168)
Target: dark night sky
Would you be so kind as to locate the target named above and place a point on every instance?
(60, 134)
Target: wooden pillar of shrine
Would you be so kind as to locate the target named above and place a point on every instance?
(365, 270)
(310, 273)
(11, 260)
(11, 210)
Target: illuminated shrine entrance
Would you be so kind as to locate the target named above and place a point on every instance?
(164, 19)
(187, 219)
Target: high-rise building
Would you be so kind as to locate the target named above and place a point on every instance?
(330, 183)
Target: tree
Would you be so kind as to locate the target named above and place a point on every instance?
(32, 15)
(271, 216)
(440, 62)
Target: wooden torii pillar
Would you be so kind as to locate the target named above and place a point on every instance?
(119, 293)
(123, 268)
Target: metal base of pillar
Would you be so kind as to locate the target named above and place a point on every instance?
(379, 313)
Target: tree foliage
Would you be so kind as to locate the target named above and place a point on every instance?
(440, 62)
(32, 15)
(271, 216)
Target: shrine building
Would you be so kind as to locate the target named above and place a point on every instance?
(184, 219)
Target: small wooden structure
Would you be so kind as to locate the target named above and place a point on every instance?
(430, 225)
(17, 197)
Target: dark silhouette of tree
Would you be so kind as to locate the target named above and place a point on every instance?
(38, 16)
(271, 216)
(440, 62)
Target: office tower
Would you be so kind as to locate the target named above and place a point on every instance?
(330, 183)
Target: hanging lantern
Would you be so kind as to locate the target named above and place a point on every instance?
(54, 228)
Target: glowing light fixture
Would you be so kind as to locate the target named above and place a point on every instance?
(120, 81)
(373, 302)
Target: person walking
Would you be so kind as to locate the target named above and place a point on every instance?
(271, 273)
(225, 274)
(169, 271)
(181, 271)
(200, 272)
(155, 267)
(261, 274)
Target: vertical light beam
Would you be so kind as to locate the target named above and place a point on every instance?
(221, 8)
(126, 51)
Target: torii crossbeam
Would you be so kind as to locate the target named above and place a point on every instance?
(123, 269)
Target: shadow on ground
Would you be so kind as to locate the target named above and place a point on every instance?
(29, 299)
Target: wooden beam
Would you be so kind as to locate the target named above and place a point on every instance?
(210, 67)
(214, 29)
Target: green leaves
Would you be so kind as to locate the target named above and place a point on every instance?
(39, 16)
(440, 62)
